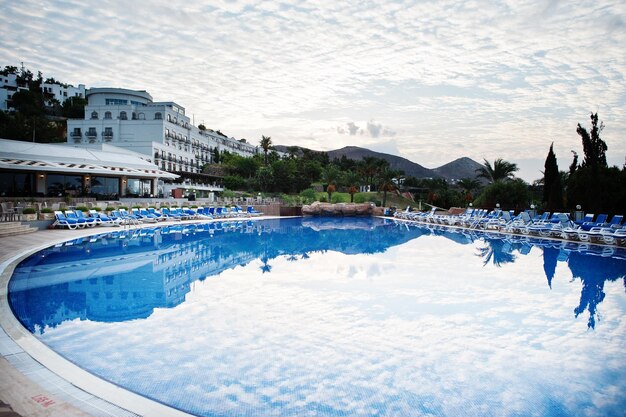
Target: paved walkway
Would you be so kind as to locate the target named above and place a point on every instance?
(20, 393)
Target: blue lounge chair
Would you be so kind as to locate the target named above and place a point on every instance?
(587, 219)
(157, 214)
(600, 222)
(144, 217)
(170, 214)
(253, 212)
(104, 220)
(71, 215)
(127, 217)
(61, 220)
(89, 221)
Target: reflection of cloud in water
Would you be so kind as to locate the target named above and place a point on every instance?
(433, 332)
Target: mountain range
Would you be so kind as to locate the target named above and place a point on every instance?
(457, 169)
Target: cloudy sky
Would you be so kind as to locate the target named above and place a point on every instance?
(430, 81)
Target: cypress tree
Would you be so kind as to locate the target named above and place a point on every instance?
(552, 188)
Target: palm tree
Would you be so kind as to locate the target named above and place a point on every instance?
(368, 166)
(386, 182)
(330, 175)
(266, 143)
(468, 185)
(352, 180)
(500, 171)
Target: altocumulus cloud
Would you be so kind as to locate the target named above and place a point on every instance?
(508, 78)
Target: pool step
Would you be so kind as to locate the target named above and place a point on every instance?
(15, 228)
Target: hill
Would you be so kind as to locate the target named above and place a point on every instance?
(395, 162)
(459, 168)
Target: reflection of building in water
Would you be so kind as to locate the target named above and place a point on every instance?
(116, 279)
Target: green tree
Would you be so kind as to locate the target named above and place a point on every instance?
(265, 178)
(284, 173)
(266, 144)
(513, 194)
(386, 182)
(552, 185)
(330, 176)
(352, 181)
(469, 185)
(28, 103)
(74, 108)
(500, 171)
(594, 147)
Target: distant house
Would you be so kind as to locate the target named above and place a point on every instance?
(9, 85)
(61, 92)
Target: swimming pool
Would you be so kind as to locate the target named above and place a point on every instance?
(333, 317)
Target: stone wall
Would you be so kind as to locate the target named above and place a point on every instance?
(340, 209)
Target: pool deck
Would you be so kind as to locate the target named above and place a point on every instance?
(37, 382)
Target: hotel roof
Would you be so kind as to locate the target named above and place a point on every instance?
(28, 156)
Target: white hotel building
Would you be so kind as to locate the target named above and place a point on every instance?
(160, 131)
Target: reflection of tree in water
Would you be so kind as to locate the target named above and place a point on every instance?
(550, 256)
(593, 272)
(499, 251)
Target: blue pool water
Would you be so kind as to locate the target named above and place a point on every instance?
(336, 317)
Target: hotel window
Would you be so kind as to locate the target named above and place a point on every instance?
(123, 115)
(134, 116)
(169, 117)
(116, 102)
(105, 187)
(94, 114)
(107, 114)
(158, 116)
(60, 185)
(141, 116)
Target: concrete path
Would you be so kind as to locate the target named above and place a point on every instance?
(21, 395)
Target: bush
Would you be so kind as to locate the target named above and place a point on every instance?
(360, 198)
(97, 209)
(228, 194)
(29, 210)
(137, 206)
(323, 199)
(121, 208)
(234, 182)
(83, 208)
(338, 198)
(47, 210)
(308, 196)
(109, 208)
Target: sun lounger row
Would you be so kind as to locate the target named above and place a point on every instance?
(73, 219)
(555, 225)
